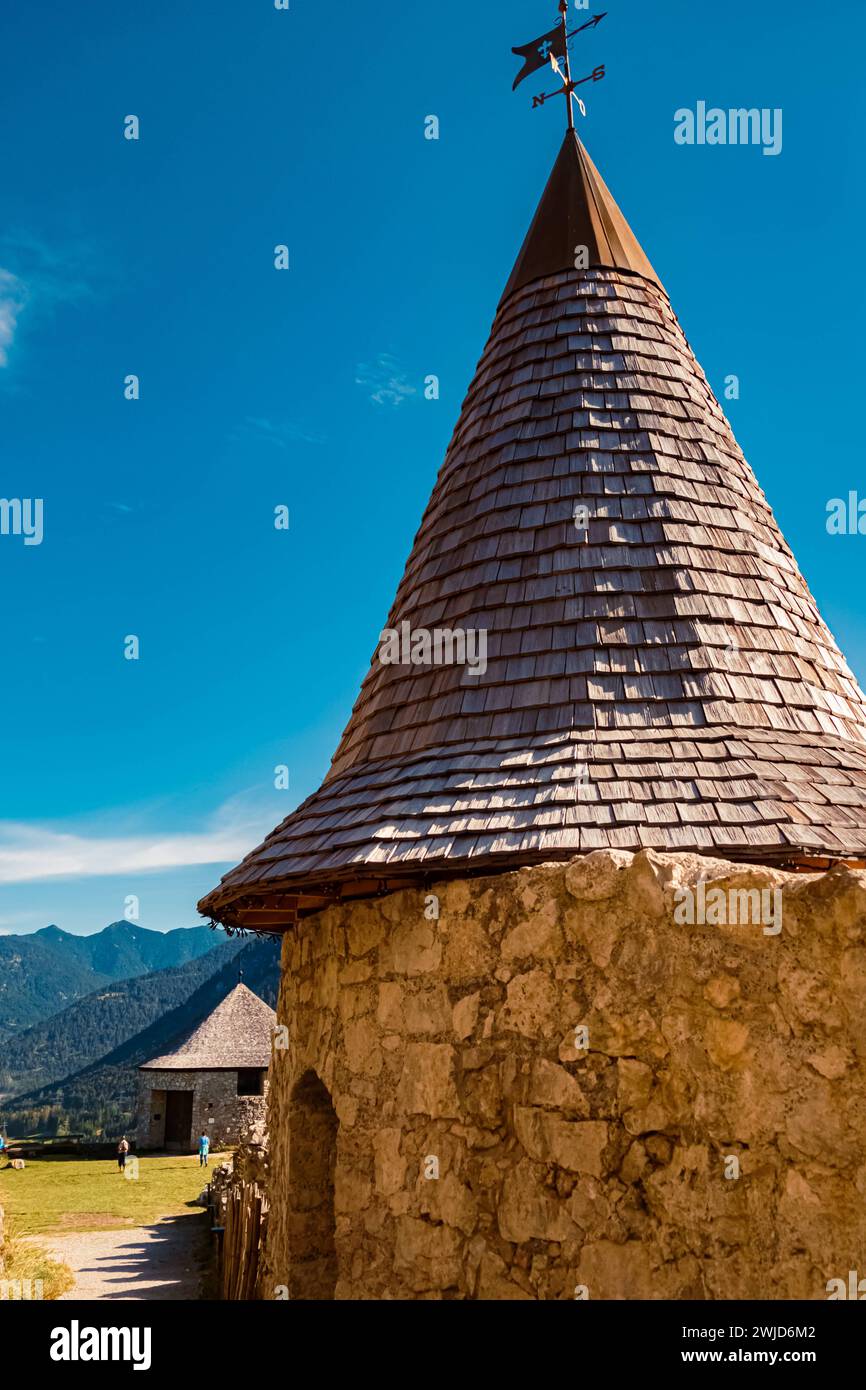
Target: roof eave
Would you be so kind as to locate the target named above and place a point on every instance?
(253, 912)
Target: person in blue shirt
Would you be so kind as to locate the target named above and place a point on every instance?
(203, 1151)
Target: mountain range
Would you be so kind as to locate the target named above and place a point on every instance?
(47, 970)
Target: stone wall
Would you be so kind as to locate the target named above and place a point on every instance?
(707, 1139)
(217, 1108)
(250, 1162)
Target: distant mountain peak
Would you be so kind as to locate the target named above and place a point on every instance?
(53, 968)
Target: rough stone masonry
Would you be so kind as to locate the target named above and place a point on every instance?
(704, 1138)
(217, 1109)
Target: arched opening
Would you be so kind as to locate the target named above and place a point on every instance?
(312, 1160)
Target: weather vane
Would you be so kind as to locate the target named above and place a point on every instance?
(548, 49)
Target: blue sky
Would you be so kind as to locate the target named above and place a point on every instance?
(306, 387)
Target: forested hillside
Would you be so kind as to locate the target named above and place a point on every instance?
(99, 1099)
(69, 1041)
(46, 971)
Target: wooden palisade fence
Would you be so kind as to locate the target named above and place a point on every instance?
(245, 1216)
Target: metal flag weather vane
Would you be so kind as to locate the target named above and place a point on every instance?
(548, 49)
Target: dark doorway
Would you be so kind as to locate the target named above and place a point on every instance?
(178, 1119)
(312, 1160)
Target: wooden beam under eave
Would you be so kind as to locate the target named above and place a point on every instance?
(803, 864)
(280, 902)
(373, 887)
(264, 914)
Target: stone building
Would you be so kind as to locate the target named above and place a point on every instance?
(214, 1082)
(574, 959)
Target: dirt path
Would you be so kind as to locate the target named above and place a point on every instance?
(163, 1261)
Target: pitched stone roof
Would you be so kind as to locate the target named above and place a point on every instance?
(237, 1034)
(662, 679)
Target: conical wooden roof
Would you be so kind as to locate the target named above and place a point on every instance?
(237, 1034)
(662, 680)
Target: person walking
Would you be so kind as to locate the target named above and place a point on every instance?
(203, 1151)
(122, 1151)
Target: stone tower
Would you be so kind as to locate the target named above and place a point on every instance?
(524, 1059)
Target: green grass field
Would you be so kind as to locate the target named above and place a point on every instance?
(74, 1194)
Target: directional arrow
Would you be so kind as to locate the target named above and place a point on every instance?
(590, 24)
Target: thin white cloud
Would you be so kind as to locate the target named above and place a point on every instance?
(280, 433)
(42, 276)
(55, 272)
(32, 853)
(12, 298)
(385, 380)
